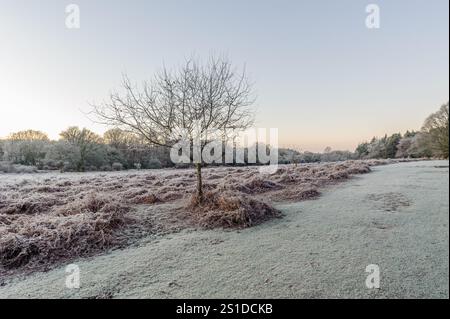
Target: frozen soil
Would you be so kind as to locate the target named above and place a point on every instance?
(396, 217)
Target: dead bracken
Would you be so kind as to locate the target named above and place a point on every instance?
(75, 229)
(230, 210)
(46, 218)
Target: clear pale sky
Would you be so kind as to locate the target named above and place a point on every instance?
(321, 76)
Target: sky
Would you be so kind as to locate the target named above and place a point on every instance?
(320, 75)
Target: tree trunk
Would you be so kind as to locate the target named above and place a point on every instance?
(199, 182)
(81, 164)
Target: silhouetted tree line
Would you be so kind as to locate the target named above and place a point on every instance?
(83, 150)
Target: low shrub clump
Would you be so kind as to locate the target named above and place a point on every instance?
(230, 210)
(6, 167)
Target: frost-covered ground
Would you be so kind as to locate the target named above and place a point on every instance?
(396, 217)
(50, 218)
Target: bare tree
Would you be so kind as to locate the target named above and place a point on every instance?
(189, 102)
(436, 126)
(26, 147)
(29, 135)
(121, 139)
(84, 139)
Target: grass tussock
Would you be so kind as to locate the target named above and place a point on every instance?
(299, 193)
(230, 210)
(75, 229)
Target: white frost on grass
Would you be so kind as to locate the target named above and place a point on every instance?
(320, 249)
(50, 217)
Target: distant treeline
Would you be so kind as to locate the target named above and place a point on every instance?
(83, 150)
(430, 141)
